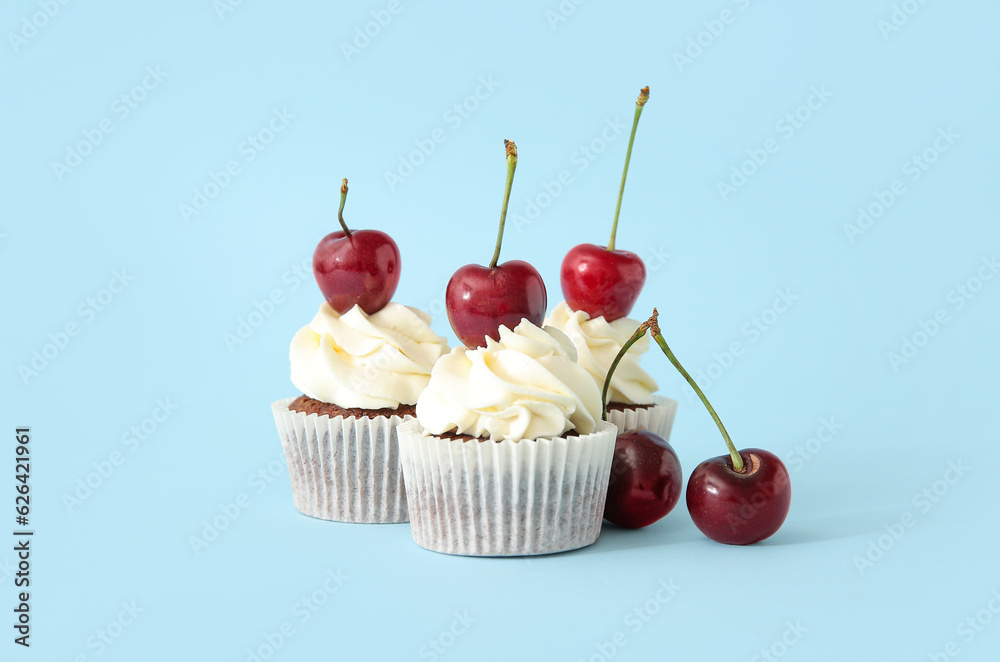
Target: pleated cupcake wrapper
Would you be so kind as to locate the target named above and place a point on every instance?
(343, 469)
(486, 498)
(658, 419)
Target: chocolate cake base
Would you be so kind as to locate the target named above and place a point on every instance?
(621, 406)
(454, 436)
(657, 417)
(344, 469)
(307, 405)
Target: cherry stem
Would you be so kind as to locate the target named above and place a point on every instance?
(639, 333)
(340, 212)
(654, 328)
(511, 150)
(639, 105)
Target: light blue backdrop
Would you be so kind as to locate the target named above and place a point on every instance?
(115, 114)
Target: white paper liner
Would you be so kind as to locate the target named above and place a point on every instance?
(343, 469)
(658, 419)
(508, 498)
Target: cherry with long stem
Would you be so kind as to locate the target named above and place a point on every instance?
(652, 325)
(639, 105)
(604, 281)
(480, 300)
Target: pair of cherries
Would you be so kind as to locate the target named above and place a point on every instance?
(737, 499)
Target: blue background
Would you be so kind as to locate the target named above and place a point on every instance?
(554, 87)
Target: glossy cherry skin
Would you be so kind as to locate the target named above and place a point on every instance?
(361, 269)
(602, 282)
(645, 481)
(479, 300)
(740, 508)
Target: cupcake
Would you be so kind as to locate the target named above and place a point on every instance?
(360, 376)
(632, 403)
(508, 454)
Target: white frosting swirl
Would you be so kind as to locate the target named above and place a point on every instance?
(597, 343)
(527, 385)
(366, 361)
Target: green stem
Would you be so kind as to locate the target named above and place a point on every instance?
(511, 149)
(639, 105)
(340, 212)
(733, 453)
(639, 333)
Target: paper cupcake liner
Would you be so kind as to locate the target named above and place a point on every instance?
(658, 419)
(343, 469)
(508, 498)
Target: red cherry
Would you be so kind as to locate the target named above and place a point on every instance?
(480, 299)
(356, 267)
(361, 268)
(602, 282)
(740, 508)
(645, 482)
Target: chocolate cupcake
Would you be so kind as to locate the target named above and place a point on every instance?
(360, 376)
(508, 454)
(633, 404)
